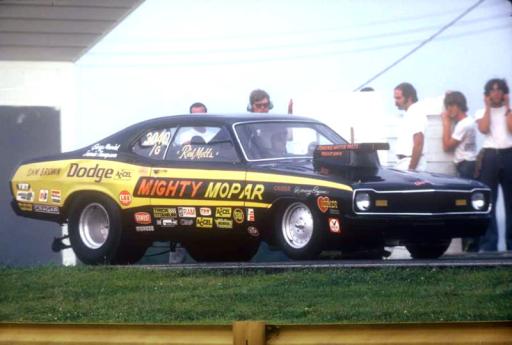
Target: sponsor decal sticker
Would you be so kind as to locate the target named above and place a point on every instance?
(233, 190)
(170, 188)
(223, 223)
(187, 212)
(24, 206)
(43, 172)
(282, 188)
(250, 215)
(310, 191)
(46, 209)
(25, 196)
(102, 151)
(166, 187)
(56, 196)
(96, 172)
(125, 198)
(223, 212)
(142, 218)
(204, 222)
(23, 186)
(324, 203)
(334, 225)
(144, 228)
(253, 231)
(205, 211)
(43, 195)
(169, 222)
(238, 215)
(192, 153)
(186, 222)
(123, 175)
(164, 212)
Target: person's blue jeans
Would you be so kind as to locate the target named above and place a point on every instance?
(497, 170)
(466, 169)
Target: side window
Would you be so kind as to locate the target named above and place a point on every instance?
(154, 143)
(203, 144)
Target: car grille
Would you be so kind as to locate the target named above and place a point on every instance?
(423, 202)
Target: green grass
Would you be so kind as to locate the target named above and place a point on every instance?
(139, 295)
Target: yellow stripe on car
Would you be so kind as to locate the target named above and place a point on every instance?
(276, 178)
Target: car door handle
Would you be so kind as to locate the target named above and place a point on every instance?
(158, 171)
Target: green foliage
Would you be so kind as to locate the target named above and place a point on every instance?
(140, 295)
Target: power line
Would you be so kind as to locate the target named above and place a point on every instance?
(478, 3)
(309, 45)
(370, 49)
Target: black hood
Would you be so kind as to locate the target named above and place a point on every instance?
(378, 178)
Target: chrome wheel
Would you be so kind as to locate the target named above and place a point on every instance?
(297, 225)
(94, 225)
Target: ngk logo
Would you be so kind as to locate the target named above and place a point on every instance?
(142, 218)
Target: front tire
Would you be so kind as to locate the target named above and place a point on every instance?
(428, 249)
(297, 232)
(95, 229)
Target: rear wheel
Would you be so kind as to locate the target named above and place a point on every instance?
(428, 249)
(221, 250)
(296, 231)
(95, 229)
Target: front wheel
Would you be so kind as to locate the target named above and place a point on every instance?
(428, 249)
(298, 235)
(95, 229)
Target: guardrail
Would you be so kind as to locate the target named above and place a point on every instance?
(257, 333)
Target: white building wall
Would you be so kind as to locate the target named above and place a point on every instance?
(49, 84)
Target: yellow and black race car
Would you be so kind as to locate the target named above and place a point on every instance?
(221, 184)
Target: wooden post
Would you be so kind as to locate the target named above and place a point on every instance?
(249, 333)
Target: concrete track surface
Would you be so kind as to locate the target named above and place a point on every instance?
(462, 260)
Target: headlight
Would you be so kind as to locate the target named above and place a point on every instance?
(363, 201)
(478, 201)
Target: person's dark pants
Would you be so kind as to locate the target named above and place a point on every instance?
(466, 169)
(497, 170)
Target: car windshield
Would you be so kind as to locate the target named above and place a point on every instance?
(283, 139)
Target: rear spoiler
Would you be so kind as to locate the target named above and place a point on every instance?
(363, 155)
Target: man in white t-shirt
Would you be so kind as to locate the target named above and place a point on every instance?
(462, 141)
(495, 122)
(411, 137)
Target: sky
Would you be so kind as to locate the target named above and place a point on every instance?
(168, 54)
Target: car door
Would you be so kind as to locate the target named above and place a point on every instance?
(200, 182)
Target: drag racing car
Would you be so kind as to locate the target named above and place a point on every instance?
(221, 184)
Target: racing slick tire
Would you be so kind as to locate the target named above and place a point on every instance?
(222, 251)
(297, 231)
(95, 229)
(428, 249)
